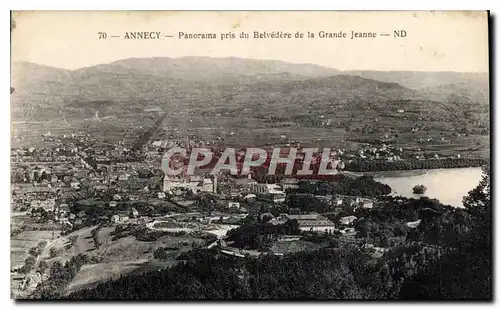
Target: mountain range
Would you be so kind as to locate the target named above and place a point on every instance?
(211, 83)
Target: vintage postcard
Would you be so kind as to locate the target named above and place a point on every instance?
(232, 155)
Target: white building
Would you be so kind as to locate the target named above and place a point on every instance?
(161, 195)
(134, 213)
(364, 202)
(313, 223)
(337, 201)
(194, 183)
(235, 205)
(35, 204)
(290, 183)
(276, 197)
(347, 220)
(413, 224)
(48, 205)
(274, 188)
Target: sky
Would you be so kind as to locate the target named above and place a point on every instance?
(435, 41)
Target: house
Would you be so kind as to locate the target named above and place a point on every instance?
(250, 197)
(337, 201)
(267, 215)
(115, 218)
(348, 231)
(233, 205)
(185, 203)
(348, 220)
(62, 214)
(119, 219)
(35, 204)
(75, 185)
(257, 188)
(274, 188)
(324, 225)
(365, 203)
(273, 197)
(286, 238)
(48, 204)
(134, 213)
(313, 222)
(208, 185)
(64, 208)
(413, 224)
(157, 143)
(113, 204)
(362, 202)
(290, 183)
(123, 177)
(276, 221)
(194, 183)
(101, 187)
(246, 182)
(65, 223)
(102, 160)
(310, 216)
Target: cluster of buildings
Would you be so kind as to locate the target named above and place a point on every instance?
(194, 183)
(105, 175)
(312, 223)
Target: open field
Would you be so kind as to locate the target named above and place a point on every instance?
(255, 132)
(18, 220)
(295, 246)
(218, 230)
(93, 274)
(116, 256)
(22, 242)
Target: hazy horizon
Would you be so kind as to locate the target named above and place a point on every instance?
(448, 41)
(241, 58)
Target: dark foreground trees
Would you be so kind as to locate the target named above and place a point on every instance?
(464, 270)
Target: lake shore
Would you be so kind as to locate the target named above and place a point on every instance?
(448, 185)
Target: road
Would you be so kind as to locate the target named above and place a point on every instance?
(28, 289)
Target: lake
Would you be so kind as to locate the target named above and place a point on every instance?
(449, 186)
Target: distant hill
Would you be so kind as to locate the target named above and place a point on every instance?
(48, 92)
(417, 80)
(213, 85)
(474, 91)
(316, 95)
(224, 69)
(32, 72)
(36, 88)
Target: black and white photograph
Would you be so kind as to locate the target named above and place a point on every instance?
(250, 155)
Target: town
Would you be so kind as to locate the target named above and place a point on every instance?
(281, 161)
(79, 195)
